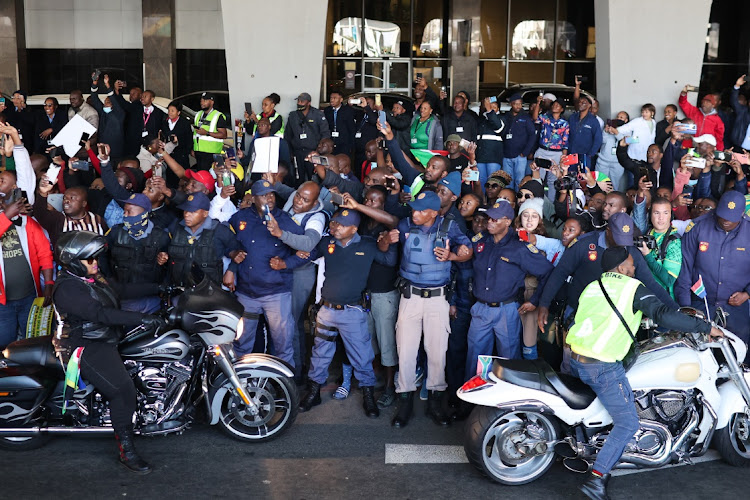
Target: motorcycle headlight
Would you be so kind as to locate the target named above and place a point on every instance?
(240, 329)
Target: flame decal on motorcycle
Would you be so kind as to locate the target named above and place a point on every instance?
(169, 346)
(15, 413)
(218, 323)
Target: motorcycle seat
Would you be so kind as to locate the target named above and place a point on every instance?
(36, 351)
(538, 374)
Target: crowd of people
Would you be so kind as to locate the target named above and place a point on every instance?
(434, 236)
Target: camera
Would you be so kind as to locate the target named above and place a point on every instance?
(646, 239)
(565, 183)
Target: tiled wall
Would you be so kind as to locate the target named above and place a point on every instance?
(199, 25)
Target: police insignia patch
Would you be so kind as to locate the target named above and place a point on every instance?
(190, 198)
(689, 226)
(625, 229)
(422, 195)
(703, 247)
(532, 248)
(731, 205)
(243, 225)
(476, 237)
(345, 213)
(132, 196)
(266, 184)
(592, 246)
(480, 248)
(592, 256)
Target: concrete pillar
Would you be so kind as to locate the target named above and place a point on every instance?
(159, 45)
(12, 44)
(464, 47)
(275, 46)
(639, 59)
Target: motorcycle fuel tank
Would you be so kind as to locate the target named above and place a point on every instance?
(172, 345)
(674, 368)
(210, 312)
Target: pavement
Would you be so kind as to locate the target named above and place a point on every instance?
(331, 452)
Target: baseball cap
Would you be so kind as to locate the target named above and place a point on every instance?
(501, 209)
(613, 257)
(304, 96)
(623, 229)
(259, 188)
(731, 206)
(426, 200)
(588, 98)
(710, 98)
(705, 138)
(515, 97)
(453, 182)
(195, 201)
(452, 138)
(138, 199)
(346, 217)
(549, 96)
(208, 95)
(202, 176)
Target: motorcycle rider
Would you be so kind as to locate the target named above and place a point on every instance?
(599, 340)
(96, 329)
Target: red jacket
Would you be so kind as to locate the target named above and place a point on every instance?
(707, 124)
(36, 247)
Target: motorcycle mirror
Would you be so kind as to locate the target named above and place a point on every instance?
(720, 317)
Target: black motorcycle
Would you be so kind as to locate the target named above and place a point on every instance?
(175, 371)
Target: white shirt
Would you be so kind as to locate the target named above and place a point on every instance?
(644, 131)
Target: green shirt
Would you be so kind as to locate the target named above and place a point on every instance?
(665, 271)
(420, 132)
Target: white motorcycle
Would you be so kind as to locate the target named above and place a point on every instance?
(688, 387)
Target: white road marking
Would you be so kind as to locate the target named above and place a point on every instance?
(424, 454)
(710, 456)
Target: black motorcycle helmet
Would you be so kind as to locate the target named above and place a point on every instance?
(75, 246)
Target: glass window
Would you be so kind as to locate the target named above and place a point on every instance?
(336, 77)
(532, 26)
(727, 40)
(566, 72)
(344, 23)
(434, 73)
(387, 28)
(430, 37)
(529, 72)
(493, 22)
(576, 37)
(491, 78)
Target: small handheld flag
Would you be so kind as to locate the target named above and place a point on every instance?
(700, 290)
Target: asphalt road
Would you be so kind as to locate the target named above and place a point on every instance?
(333, 451)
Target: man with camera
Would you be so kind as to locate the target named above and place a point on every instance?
(304, 130)
(210, 130)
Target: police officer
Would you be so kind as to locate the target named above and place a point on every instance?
(601, 337)
(717, 248)
(430, 243)
(210, 130)
(304, 130)
(348, 258)
(134, 245)
(501, 263)
(264, 276)
(198, 241)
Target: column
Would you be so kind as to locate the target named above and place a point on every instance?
(12, 45)
(464, 48)
(159, 45)
(638, 60)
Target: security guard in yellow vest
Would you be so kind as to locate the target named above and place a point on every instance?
(601, 337)
(210, 130)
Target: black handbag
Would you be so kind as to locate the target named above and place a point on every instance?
(635, 349)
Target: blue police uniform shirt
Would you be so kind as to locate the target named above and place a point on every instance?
(224, 241)
(721, 258)
(455, 236)
(255, 278)
(585, 135)
(582, 261)
(500, 268)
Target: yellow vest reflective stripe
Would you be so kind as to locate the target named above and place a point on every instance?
(272, 119)
(598, 332)
(206, 143)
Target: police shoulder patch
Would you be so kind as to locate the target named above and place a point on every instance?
(476, 237)
(690, 226)
(532, 248)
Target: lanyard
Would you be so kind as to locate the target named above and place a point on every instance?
(146, 118)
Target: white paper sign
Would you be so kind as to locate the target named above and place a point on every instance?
(70, 135)
(266, 155)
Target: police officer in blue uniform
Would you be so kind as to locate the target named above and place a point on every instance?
(430, 243)
(501, 263)
(348, 258)
(717, 248)
(264, 277)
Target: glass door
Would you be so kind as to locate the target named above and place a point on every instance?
(387, 75)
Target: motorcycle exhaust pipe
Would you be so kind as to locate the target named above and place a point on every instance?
(35, 431)
(637, 460)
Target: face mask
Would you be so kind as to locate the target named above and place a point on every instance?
(300, 107)
(692, 182)
(136, 225)
(107, 109)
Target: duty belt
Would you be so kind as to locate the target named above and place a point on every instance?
(320, 326)
(339, 307)
(427, 293)
(497, 304)
(583, 359)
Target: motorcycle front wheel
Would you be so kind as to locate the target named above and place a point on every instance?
(509, 447)
(276, 403)
(733, 441)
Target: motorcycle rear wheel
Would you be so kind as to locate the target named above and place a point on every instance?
(733, 441)
(277, 400)
(492, 437)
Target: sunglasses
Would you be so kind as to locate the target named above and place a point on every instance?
(91, 260)
(491, 185)
(523, 196)
(705, 208)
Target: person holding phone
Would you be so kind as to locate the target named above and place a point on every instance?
(554, 132)
(268, 110)
(78, 106)
(341, 121)
(111, 119)
(519, 139)
(305, 127)
(741, 128)
(585, 137)
(641, 132)
(705, 117)
(489, 152)
(176, 130)
(48, 125)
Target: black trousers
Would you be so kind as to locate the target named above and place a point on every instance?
(102, 366)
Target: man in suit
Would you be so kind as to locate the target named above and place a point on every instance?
(340, 119)
(144, 120)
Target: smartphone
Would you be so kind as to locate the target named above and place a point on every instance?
(743, 158)
(266, 213)
(14, 195)
(95, 75)
(722, 156)
(493, 98)
(473, 175)
(173, 139)
(124, 83)
(24, 195)
(337, 199)
(523, 235)
(226, 179)
(390, 183)
(56, 200)
(543, 162)
(571, 159)
(693, 162)
(692, 152)
(219, 158)
(382, 118)
(84, 138)
(52, 172)
(230, 152)
(687, 128)
(249, 108)
(643, 172)
(444, 89)
(687, 189)
(319, 160)
(102, 149)
(81, 165)
(691, 88)
(2, 100)
(632, 140)
(419, 75)
(464, 143)
(378, 102)
(582, 78)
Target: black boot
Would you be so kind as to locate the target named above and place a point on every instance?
(128, 456)
(312, 398)
(595, 487)
(403, 409)
(435, 409)
(368, 402)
